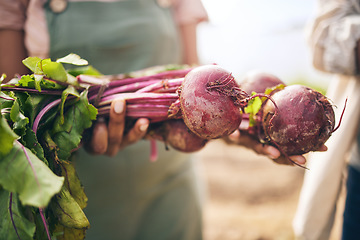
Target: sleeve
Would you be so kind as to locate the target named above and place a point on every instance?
(333, 36)
(13, 14)
(189, 11)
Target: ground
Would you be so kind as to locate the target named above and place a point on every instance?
(249, 197)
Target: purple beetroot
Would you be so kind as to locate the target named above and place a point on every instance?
(303, 120)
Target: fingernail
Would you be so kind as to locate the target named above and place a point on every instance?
(235, 135)
(119, 107)
(273, 153)
(299, 159)
(143, 127)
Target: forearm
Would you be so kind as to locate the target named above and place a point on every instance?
(189, 43)
(13, 51)
(333, 36)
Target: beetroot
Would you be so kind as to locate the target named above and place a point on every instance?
(208, 99)
(259, 81)
(177, 135)
(303, 121)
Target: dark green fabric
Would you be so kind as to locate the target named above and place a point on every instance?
(133, 198)
(115, 36)
(129, 197)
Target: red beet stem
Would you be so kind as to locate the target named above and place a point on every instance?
(342, 114)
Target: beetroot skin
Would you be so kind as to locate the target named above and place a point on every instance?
(258, 81)
(177, 135)
(181, 138)
(303, 121)
(207, 105)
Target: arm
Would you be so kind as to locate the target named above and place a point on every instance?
(333, 37)
(12, 45)
(189, 43)
(13, 51)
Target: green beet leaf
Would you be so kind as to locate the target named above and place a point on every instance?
(73, 59)
(73, 184)
(87, 70)
(13, 224)
(254, 106)
(268, 91)
(2, 78)
(7, 137)
(37, 82)
(29, 140)
(20, 121)
(31, 104)
(33, 63)
(23, 173)
(27, 81)
(64, 233)
(67, 211)
(252, 109)
(54, 70)
(70, 90)
(67, 132)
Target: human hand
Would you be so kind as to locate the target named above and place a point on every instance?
(108, 138)
(270, 151)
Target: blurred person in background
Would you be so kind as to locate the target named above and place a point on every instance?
(129, 197)
(334, 39)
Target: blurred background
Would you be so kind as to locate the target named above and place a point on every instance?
(248, 196)
(243, 35)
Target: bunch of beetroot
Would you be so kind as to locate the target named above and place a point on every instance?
(301, 120)
(208, 103)
(44, 115)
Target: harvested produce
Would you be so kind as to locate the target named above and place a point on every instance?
(301, 121)
(258, 81)
(177, 135)
(209, 101)
(44, 116)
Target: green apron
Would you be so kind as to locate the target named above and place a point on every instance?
(129, 196)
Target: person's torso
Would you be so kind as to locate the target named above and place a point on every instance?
(115, 36)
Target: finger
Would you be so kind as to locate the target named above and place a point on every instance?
(136, 133)
(242, 138)
(268, 150)
(116, 126)
(283, 160)
(234, 137)
(323, 148)
(99, 138)
(299, 159)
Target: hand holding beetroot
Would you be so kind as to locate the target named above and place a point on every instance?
(301, 121)
(291, 121)
(44, 116)
(207, 101)
(109, 138)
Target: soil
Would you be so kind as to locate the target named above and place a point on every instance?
(248, 196)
